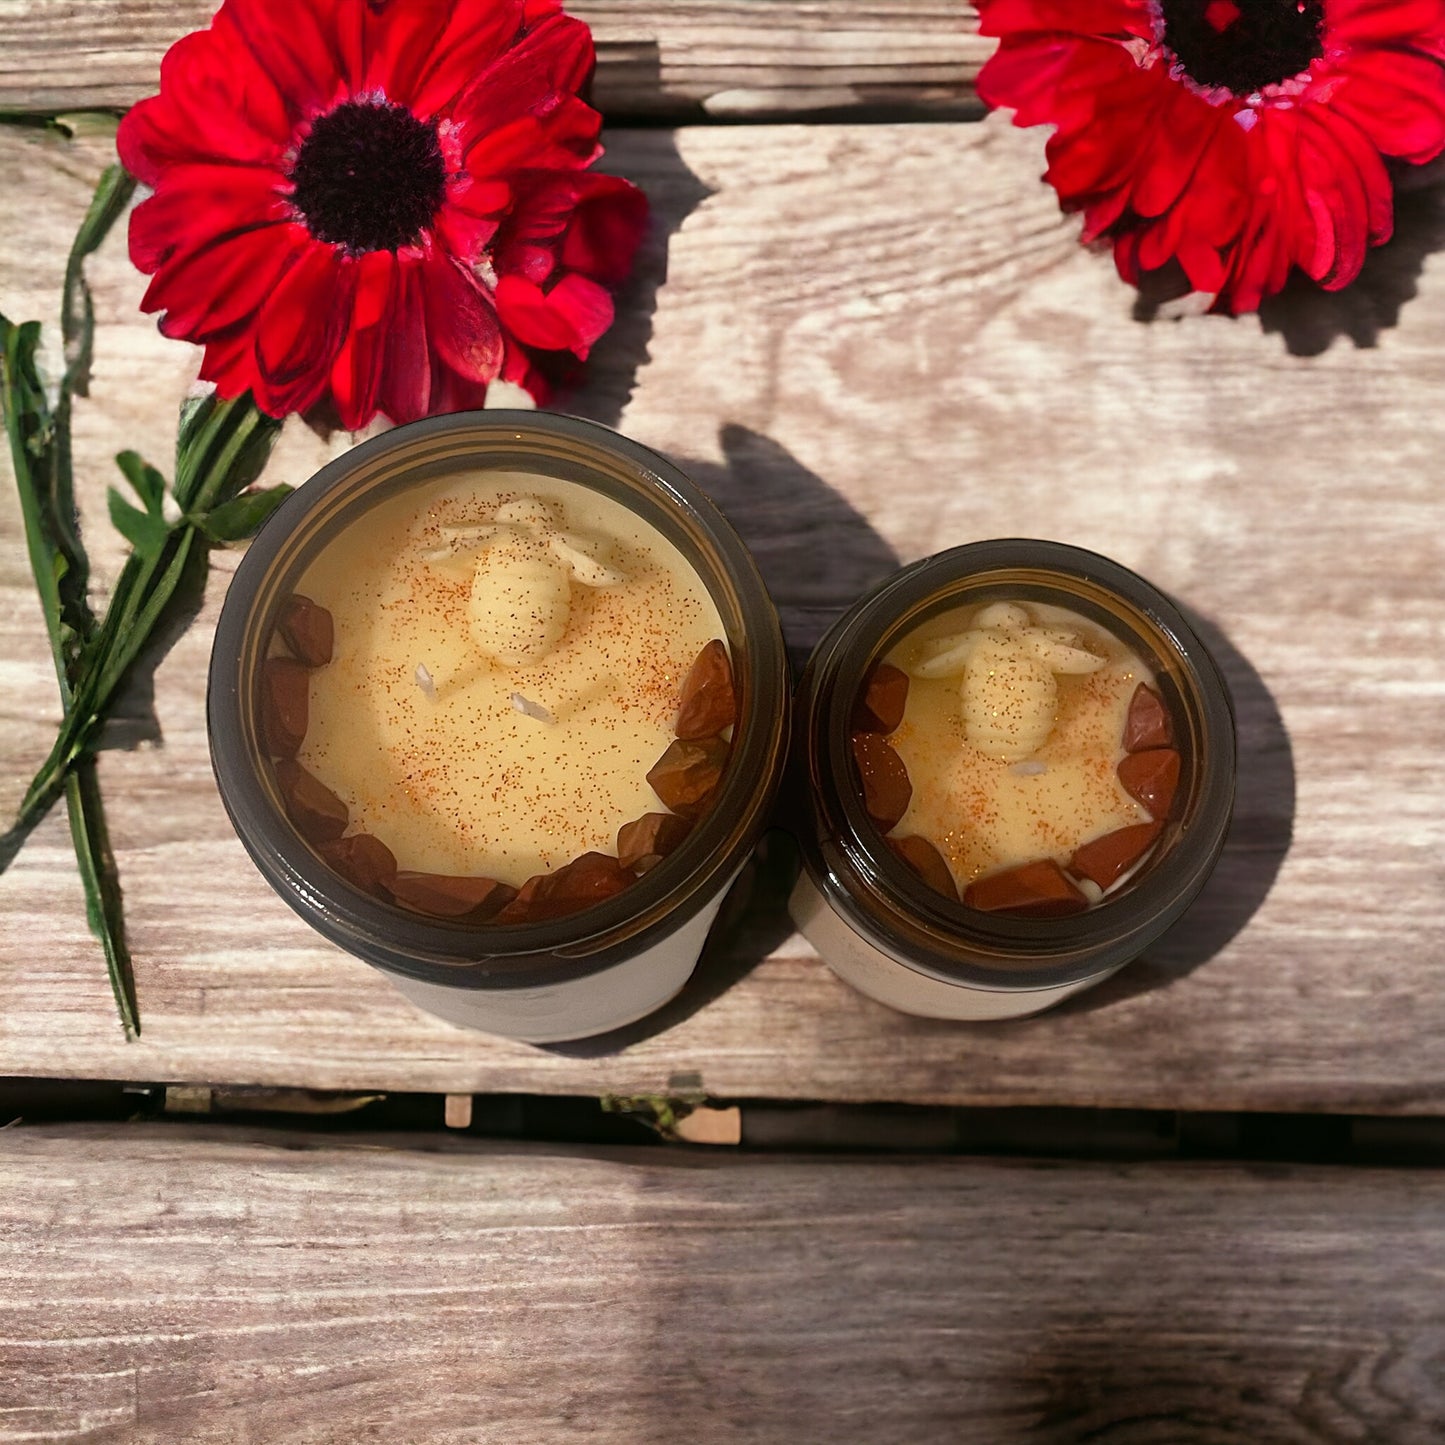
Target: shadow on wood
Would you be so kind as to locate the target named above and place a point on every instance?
(1258, 839)
(817, 556)
(651, 161)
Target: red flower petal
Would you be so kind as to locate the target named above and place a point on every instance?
(198, 202)
(300, 328)
(406, 392)
(1398, 101)
(607, 228)
(211, 289)
(473, 36)
(461, 322)
(356, 371)
(568, 317)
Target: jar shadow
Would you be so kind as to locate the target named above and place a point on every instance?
(1259, 837)
(816, 555)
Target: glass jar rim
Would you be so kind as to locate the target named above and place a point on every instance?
(483, 955)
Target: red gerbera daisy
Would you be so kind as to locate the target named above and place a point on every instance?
(378, 205)
(1235, 138)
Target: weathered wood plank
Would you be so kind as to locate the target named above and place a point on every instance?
(160, 1284)
(729, 60)
(889, 323)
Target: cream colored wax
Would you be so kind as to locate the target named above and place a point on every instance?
(501, 721)
(1030, 772)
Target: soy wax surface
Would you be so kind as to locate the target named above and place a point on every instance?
(460, 763)
(986, 814)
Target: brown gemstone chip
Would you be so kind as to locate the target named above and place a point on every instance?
(363, 859)
(590, 879)
(1105, 859)
(306, 628)
(652, 836)
(448, 895)
(880, 709)
(688, 773)
(709, 704)
(285, 705)
(1032, 890)
(886, 789)
(319, 815)
(1148, 724)
(1151, 777)
(927, 862)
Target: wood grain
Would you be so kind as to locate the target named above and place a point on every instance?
(163, 1284)
(868, 343)
(732, 59)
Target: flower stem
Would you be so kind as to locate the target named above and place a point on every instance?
(41, 457)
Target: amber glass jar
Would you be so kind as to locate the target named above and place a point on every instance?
(873, 918)
(564, 978)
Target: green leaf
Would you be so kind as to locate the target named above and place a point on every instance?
(102, 887)
(149, 484)
(222, 449)
(243, 516)
(77, 312)
(145, 531)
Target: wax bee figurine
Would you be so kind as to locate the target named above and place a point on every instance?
(522, 566)
(1009, 696)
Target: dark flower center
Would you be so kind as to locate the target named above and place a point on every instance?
(370, 176)
(1243, 45)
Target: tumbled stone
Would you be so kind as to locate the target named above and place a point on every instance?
(709, 703)
(1032, 890)
(319, 815)
(306, 628)
(687, 774)
(886, 789)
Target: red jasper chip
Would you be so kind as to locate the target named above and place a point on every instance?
(448, 895)
(307, 630)
(709, 704)
(927, 862)
(363, 859)
(1032, 890)
(285, 705)
(687, 774)
(1151, 777)
(880, 709)
(1105, 859)
(1148, 724)
(886, 789)
(576, 885)
(319, 815)
(651, 837)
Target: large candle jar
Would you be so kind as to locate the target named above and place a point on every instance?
(498, 703)
(1019, 762)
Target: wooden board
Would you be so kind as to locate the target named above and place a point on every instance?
(205, 1285)
(888, 323)
(728, 59)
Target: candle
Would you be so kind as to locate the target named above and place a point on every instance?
(1018, 733)
(509, 664)
(498, 704)
(1021, 769)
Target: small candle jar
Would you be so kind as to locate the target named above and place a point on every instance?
(1019, 760)
(449, 675)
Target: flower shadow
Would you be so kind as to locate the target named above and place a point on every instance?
(651, 161)
(816, 555)
(1259, 837)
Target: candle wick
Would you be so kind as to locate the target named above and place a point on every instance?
(528, 708)
(424, 681)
